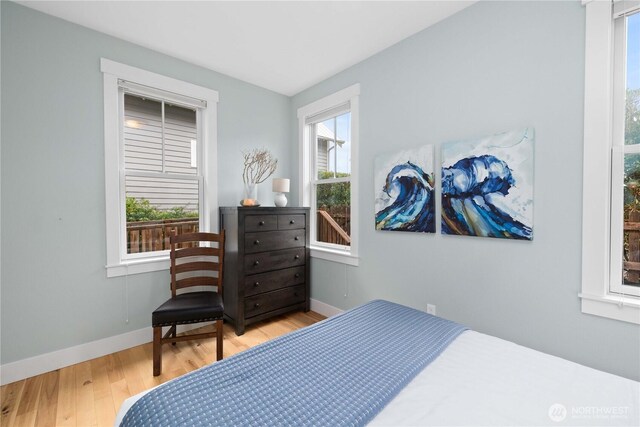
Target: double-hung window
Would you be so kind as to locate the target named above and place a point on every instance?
(329, 139)
(159, 147)
(625, 164)
(611, 171)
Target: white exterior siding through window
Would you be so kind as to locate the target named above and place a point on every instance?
(149, 142)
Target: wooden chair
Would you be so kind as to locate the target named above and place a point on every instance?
(199, 263)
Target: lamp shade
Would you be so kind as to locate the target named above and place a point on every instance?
(280, 185)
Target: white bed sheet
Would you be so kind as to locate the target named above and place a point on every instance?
(480, 380)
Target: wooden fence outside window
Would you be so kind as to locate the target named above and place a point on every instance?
(632, 249)
(148, 236)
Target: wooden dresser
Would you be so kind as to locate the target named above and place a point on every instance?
(266, 263)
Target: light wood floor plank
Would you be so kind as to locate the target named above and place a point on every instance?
(66, 411)
(85, 398)
(135, 384)
(90, 393)
(28, 408)
(48, 405)
(105, 411)
(119, 392)
(11, 395)
(114, 368)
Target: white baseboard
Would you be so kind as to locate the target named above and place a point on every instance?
(324, 309)
(25, 368)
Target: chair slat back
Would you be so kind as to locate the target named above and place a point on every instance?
(196, 251)
(195, 266)
(196, 281)
(197, 260)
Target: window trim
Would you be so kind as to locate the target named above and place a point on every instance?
(595, 297)
(349, 95)
(117, 263)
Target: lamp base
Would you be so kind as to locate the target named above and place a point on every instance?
(280, 200)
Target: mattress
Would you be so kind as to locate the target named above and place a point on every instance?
(480, 380)
(483, 380)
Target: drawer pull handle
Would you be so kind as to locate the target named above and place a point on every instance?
(296, 238)
(292, 222)
(261, 223)
(297, 257)
(256, 284)
(256, 305)
(256, 242)
(297, 275)
(256, 263)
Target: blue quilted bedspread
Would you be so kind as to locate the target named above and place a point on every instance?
(341, 371)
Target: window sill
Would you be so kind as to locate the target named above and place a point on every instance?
(334, 255)
(624, 308)
(138, 266)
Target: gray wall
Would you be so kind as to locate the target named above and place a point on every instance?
(55, 293)
(491, 68)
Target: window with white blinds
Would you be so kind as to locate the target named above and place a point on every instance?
(159, 166)
(162, 184)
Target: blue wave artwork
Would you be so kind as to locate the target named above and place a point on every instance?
(405, 185)
(487, 186)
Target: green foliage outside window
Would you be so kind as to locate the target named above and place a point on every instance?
(143, 210)
(331, 195)
(632, 162)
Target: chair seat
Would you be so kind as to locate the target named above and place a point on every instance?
(192, 307)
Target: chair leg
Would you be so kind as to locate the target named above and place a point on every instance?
(157, 350)
(175, 331)
(218, 339)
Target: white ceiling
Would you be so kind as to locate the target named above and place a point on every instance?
(284, 46)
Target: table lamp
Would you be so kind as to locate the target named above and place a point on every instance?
(280, 186)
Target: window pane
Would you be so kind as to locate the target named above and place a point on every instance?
(325, 147)
(142, 134)
(145, 138)
(334, 213)
(179, 130)
(157, 207)
(631, 268)
(631, 241)
(343, 143)
(333, 147)
(632, 113)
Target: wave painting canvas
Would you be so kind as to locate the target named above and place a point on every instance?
(404, 183)
(487, 186)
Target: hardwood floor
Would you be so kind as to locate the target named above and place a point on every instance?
(90, 393)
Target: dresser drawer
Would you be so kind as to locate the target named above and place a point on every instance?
(291, 222)
(261, 222)
(267, 261)
(269, 301)
(265, 282)
(273, 240)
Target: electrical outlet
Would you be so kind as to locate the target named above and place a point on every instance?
(431, 309)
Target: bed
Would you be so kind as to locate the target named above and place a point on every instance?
(356, 368)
